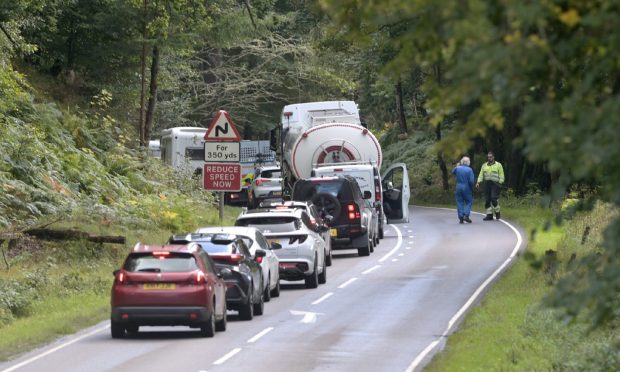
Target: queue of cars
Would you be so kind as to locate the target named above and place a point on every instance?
(194, 278)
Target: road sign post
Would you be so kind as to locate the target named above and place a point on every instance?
(222, 170)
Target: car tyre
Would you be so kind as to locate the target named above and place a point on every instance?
(312, 281)
(220, 325)
(275, 292)
(365, 250)
(328, 258)
(117, 329)
(208, 328)
(259, 307)
(267, 291)
(323, 275)
(381, 234)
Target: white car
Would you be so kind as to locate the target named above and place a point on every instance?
(254, 239)
(314, 213)
(302, 256)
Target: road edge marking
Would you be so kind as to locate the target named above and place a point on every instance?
(397, 247)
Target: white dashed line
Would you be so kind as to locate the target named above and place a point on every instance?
(325, 297)
(223, 359)
(347, 283)
(401, 254)
(394, 259)
(261, 334)
(371, 269)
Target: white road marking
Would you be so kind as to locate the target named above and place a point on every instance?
(401, 254)
(398, 243)
(408, 248)
(28, 361)
(231, 354)
(371, 269)
(442, 267)
(394, 259)
(410, 236)
(325, 297)
(347, 283)
(416, 362)
(309, 317)
(260, 334)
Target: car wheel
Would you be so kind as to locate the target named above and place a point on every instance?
(208, 328)
(365, 250)
(328, 258)
(275, 292)
(328, 204)
(372, 245)
(312, 281)
(267, 291)
(220, 325)
(246, 312)
(381, 236)
(323, 275)
(117, 329)
(259, 307)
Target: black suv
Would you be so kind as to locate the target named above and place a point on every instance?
(353, 220)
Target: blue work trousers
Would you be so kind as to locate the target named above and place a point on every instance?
(464, 200)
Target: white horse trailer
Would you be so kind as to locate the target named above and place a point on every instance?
(184, 147)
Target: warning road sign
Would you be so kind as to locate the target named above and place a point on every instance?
(222, 177)
(222, 128)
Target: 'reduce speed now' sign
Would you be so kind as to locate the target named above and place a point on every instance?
(222, 171)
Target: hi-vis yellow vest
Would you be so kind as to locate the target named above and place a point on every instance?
(493, 172)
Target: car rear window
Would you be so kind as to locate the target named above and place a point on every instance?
(272, 224)
(271, 174)
(173, 263)
(305, 189)
(216, 248)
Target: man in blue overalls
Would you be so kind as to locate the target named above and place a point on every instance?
(464, 189)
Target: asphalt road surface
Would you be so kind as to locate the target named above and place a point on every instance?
(390, 311)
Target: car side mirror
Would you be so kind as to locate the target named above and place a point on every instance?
(367, 194)
(260, 253)
(275, 245)
(328, 219)
(224, 271)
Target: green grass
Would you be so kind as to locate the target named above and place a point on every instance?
(51, 319)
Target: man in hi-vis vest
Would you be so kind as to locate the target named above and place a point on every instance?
(492, 174)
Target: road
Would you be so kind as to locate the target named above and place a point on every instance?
(388, 312)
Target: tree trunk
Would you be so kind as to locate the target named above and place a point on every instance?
(150, 113)
(442, 163)
(402, 121)
(141, 135)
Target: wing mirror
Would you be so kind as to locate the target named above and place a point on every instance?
(224, 271)
(275, 245)
(260, 253)
(367, 194)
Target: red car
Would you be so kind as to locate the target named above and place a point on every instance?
(166, 285)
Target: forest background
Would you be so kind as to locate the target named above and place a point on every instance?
(85, 84)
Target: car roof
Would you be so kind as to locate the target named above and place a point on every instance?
(237, 230)
(269, 167)
(181, 248)
(271, 212)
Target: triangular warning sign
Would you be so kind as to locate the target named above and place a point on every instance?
(222, 128)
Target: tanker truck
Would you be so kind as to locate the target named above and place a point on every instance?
(328, 138)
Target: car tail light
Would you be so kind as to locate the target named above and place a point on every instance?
(199, 277)
(161, 255)
(377, 193)
(260, 181)
(121, 277)
(297, 238)
(352, 212)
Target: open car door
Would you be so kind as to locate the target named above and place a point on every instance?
(396, 193)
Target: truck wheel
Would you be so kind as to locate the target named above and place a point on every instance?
(365, 250)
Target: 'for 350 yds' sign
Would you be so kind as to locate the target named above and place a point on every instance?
(222, 177)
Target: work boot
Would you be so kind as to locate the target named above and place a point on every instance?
(460, 219)
(489, 217)
(466, 218)
(497, 215)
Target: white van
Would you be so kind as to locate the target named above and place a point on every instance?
(390, 194)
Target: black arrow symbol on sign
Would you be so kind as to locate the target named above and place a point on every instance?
(219, 129)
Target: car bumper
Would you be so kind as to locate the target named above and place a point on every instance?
(160, 315)
(295, 270)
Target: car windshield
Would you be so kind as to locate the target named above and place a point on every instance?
(173, 263)
(271, 224)
(274, 173)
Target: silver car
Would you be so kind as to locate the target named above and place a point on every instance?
(254, 239)
(302, 256)
(314, 213)
(266, 185)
